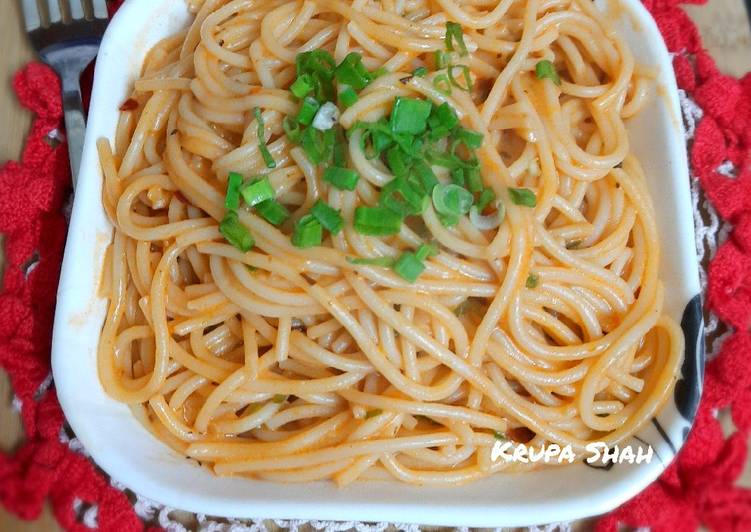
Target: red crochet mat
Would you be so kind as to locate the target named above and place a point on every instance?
(697, 488)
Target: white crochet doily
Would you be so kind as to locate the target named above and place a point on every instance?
(710, 233)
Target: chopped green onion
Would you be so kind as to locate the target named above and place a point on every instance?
(232, 199)
(448, 220)
(409, 115)
(499, 436)
(378, 72)
(471, 139)
(235, 232)
(328, 216)
(457, 176)
(272, 211)
(441, 59)
(348, 96)
(486, 196)
(424, 174)
(340, 151)
(381, 141)
(308, 232)
(352, 72)
(302, 86)
(376, 221)
(292, 129)
(426, 250)
(386, 262)
(279, 398)
(546, 69)
(257, 191)
(454, 36)
(474, 179)
(317, 145)
(341, 178)
(265, 153)
(465, 73)
(397, 161)
(408, 266)
(373, 413)
(531, 281)
(523, 196)
(442, 84)
(319, 65)
(446, 116)
(402, 198)
(420, 72)
(452, 200)
(308, 111)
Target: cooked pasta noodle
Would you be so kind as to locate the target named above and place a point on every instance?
(319, 353)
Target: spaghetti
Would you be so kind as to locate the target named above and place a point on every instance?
(367, 239)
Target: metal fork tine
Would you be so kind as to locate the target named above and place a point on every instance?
(31, 18)
(76, 9)
(100, 9)
(53, 10)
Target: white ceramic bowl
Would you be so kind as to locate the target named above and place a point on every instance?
(125, 450)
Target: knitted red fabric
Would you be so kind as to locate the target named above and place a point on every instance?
(698, 488)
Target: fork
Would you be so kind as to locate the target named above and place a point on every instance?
(66, 35)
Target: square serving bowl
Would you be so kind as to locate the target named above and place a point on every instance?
(129, 453)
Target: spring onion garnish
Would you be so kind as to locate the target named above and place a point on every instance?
(409, 115)
(308, 232)
(500, 436)
(376, 221)
(489, 221)
(341, 178)
(308, 111)
(455, 37)
(423, 175)
(272, 211)
(279, 398)
(397, 161)
(236, 233)
(442, 84)
(452, 200)
(420, 72)
(441, 59)
(265, 153)
(532, 281)
(232, 199)
(464, 69)
(426, 250)
(302, 86)
(347, 95)
(328, 217)
(408, 266)
(545, 69)
(319, 65)
(471, 139)
(474, 179)
(326, 117)
(292, 129)
(317, 145)
(443, 116)
(486, 197)
(523, 196)
(352, 72)
(373, 413)
(257, 191)
(386, 262)
(401, 197)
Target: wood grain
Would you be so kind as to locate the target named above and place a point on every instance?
(722, 23)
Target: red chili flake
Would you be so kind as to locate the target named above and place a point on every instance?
(129, 105)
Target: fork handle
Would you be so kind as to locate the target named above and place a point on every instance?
(75, 123)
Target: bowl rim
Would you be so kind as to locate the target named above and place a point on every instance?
(174, 489)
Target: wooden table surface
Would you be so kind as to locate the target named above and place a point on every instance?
(723, 25)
